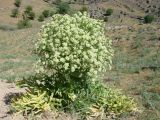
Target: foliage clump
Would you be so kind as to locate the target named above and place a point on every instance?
(28, 13)
(109, 11)
(14, 12)
(148, 18)
(45, 13)
(23, 24)
(28, 9)
(17, 3)
(84, 9)
(73, 52)
(63, 8)
(77, 45)
(51, 13)
(41, 18)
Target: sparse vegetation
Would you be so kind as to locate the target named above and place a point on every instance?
(45, 14)
(7, 27)
(14, 12)
(41, 18)
(17, 3)
(23, 24)
(138, 41)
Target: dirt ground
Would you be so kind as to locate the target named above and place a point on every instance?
(6, 91)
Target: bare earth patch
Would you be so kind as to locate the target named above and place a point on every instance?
(6, 90)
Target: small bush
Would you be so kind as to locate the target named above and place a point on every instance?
(31, 15)
(28, 9)
(52, 13)
(45, 13)
(109, 12)
(28, 13)
(41, 18)
(23, 24)
(14, 12)
(148, 18)
(84, 9)
(28, 16)
(63, 8)
(17, 3)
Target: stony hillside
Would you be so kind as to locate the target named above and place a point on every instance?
(127, 11)
(148, 6)
(132, 8)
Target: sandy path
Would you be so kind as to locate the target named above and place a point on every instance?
(5, 89)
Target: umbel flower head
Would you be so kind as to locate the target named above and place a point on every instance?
(74, 45)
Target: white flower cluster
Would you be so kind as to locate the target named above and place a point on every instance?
(75, 43)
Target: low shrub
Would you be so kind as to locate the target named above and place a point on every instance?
(28, 13)
(14, 12)
(41, 18)
(17, 3)
(63, 8)
(23, 24)
(28, 9)
(52, 13)
(84, 9)
(148, 18)
(109, 12)
(46, 13)
(31, 15)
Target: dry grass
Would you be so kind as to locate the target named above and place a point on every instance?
(142, 84)
(16, 57)
(7, 5)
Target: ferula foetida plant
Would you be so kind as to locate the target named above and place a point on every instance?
(73, 51)
(74, 45)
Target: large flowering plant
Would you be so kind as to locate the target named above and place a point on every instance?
(73, 51)
(74, 45)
